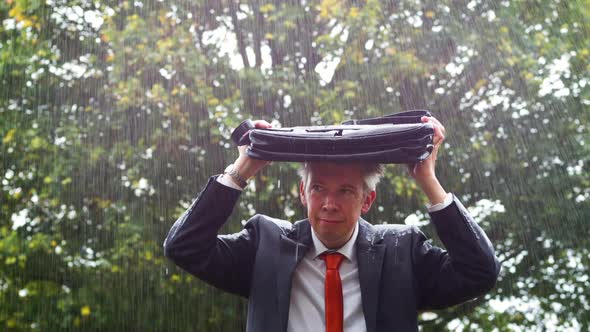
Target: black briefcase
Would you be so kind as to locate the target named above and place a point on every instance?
(397, 138)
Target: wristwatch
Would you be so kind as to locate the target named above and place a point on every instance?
(233, 173)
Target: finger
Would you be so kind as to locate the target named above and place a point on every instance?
(243, 150)
(435, 123)
(437, 140)
(438, 135)
(261, 124)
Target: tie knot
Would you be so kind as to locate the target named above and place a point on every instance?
(332, 259)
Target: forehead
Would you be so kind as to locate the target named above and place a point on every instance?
(343, 174)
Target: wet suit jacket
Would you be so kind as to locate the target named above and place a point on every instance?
(400, 272)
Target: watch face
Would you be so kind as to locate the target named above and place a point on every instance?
(235, 176)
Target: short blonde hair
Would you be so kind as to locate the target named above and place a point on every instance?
(371, 172)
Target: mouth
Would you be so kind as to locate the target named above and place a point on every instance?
(329, 221)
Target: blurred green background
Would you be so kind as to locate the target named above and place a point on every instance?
(113, 114)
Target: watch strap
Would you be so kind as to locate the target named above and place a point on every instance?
(235, 175)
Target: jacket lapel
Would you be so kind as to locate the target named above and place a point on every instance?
(370, 261)
(293, 247)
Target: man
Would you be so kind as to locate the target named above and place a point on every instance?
(334, 271)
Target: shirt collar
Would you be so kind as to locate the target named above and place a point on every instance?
(347, 249)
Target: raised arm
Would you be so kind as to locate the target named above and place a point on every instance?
(193, 243)
(469, 267)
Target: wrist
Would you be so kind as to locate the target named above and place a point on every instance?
(235, 176)
(426, 182)
(433, 190)
(247, 167)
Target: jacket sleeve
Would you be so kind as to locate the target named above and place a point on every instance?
(224, 261)
(467, 269)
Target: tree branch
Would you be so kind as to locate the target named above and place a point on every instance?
(233, 9)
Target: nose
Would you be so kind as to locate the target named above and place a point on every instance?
(330, 203)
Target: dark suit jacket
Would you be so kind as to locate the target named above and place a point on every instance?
(400, 272)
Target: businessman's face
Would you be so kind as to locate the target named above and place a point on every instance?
(335, 198)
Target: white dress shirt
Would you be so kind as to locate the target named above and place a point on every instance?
(306, 306)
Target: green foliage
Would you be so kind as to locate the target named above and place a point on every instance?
(115, 114)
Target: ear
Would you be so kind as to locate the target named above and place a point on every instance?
(369, 199)
(302, 193)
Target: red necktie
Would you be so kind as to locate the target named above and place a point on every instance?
(333, 292)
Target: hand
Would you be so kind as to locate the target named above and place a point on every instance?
(424, 171)
(246, 166)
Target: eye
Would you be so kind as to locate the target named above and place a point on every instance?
(347, 191)
(316, 187)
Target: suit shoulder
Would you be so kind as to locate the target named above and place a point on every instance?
(261, 220)
(390, 231)
(395, 229)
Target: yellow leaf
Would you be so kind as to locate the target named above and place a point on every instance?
(337, 116)
(9, 136)
(16, 12)
(329, 7)
(390, 51)
(269, 36)
(353, 12)
(213, 101)
(27, 23)
(47, 179)
(17, 194)
(85, 311)
(429, 14)
(479, 84)
(37, 142)
(267, 8)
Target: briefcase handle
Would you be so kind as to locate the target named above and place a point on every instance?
(240, 134)
(411, 116)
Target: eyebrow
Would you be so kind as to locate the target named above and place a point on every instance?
(348, 186)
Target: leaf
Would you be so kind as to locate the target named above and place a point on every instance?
(9, 136)
(267, 8)
(329, 7)
(85, 311)
(37, 143)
